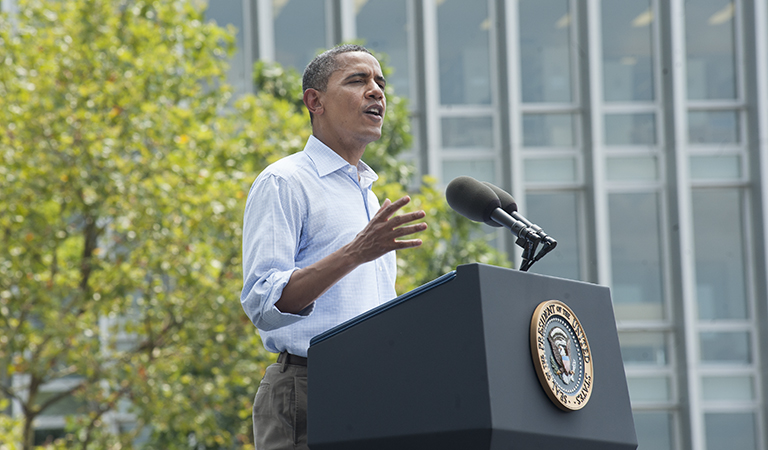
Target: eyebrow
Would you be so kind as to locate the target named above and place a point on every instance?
(378, 78)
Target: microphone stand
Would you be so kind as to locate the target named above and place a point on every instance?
(549, 245)
(529, 244)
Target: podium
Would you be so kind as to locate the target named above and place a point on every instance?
(449, 366)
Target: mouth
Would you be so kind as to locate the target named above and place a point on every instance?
(375, 110)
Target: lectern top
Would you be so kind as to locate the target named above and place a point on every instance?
(390, 304)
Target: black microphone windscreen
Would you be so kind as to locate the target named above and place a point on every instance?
(507, 201)
(472, 199)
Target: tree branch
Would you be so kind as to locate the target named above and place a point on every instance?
(61, 395)
(157, 341)
(9, 393)
(115, 396)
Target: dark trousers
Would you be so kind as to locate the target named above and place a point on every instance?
(280, 408)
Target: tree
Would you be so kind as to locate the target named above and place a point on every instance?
(123, 176)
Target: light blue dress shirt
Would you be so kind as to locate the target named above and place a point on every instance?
(300, 210)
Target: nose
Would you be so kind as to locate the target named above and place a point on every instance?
(375, 91)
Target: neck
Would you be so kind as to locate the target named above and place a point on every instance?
(352, 152)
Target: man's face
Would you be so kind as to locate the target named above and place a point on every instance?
(353, 102)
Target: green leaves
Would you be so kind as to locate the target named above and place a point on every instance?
(122, 187)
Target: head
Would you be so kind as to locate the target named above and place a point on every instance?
(344, 94)
(320, 69)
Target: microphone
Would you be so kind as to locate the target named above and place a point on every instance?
(509, 205)
(478, 202)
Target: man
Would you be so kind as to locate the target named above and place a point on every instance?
(317, 249)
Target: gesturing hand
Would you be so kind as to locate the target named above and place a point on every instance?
(377, 238)
(380, 235)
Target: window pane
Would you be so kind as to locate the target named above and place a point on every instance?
(225, 12)
(44, 436)
(654, 430)
(713, 127)
(720, 167)
(636, 256)
(545, 42)
(627, 50)
(649, 389)
(548, 130)
(646, 349)
(66, 406)
(729, 431)
(725, 347)
(719, 250)
(483, 170)
(463, 132)
(384, 26)
(630, 129)
(709, 39)
(730, 389)
(557, 215)
(642, 168)
(463, 42)
(562, 170)
(299, 31)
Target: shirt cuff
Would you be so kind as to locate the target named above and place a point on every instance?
(271, 317)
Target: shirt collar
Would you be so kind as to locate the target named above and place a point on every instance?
(327, 161)
(367, 175)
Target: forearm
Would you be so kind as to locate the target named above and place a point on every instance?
(309, 283)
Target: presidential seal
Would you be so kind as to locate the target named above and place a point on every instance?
(561, 355)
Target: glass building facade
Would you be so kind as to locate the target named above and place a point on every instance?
(634, 131)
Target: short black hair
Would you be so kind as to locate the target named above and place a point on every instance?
(319, 70)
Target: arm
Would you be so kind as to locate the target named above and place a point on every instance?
(377, 238)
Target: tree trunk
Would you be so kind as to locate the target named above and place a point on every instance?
(29, 433)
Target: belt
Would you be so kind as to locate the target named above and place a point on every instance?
(287, 358)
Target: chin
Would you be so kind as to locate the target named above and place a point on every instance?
(375, 135)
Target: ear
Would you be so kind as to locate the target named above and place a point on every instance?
(313, 101)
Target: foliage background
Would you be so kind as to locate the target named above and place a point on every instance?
(124, 169)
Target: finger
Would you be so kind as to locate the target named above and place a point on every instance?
(409, 243)
(402, 201)
(410, 229)
(407, 217)
(388, 208)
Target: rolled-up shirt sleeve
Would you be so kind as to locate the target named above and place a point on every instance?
(271, 238)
